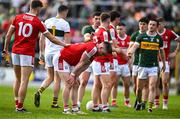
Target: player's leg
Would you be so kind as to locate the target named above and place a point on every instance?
(114, 91)
(66, 91)
(17, 82)
(25, 74)
(17, 71)
(83, 82)
(96, 93)
(106, 88)
(134, 77)
(44, 85)
(74, 96)
(97, 86)
(57, 87)
(157, 93)
(126, 84)
(142, 76)
(165, 84)
(153, 76)
(145, 94)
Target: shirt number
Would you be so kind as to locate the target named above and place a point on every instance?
(23, 29)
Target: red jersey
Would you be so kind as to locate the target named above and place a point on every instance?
(123, 43)
(102, 35)
(113, 32)
(72, 54)
(27, 27)
(167, 36)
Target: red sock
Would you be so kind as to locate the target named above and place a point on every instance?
(165, 99)
(66, 106)
(16, 102)
(74, 105)
(20, 105)
(156, 101)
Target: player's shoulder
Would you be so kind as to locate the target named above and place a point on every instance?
(87, 27)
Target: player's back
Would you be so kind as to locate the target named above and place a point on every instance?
(27, 27)
(72, 53)
(58, 27)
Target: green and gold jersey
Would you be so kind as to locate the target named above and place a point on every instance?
(88, 29)
(136, 54)
(148, 49)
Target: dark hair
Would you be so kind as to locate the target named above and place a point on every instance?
(154, 19)
(144, 19)
(114, 15)
(160, 19)
(36, 3)
(108, 47)
(96, 14)
(62, 8)
(121, 24)
(104, 16)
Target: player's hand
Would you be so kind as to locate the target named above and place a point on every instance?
(129, 54)
(66, 45)
(71, 79)
(41, 59)
(6, 57)
(173, 55)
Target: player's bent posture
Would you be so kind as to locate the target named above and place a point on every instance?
(143, 23)
(123, 64)
(60, 28)
(167, 36)
(150, 43)
(26, 28)
(88, 33)
(80, 57)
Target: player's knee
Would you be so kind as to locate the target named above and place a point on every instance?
(84, 83)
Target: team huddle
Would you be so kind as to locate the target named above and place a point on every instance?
(107, 53)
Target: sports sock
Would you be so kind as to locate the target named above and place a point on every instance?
(20, 105)
(165, 99)
(55, 99)
(150, 104)
(156, 100)
(41, 89)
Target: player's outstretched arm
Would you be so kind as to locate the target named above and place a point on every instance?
(132, 49)
(173, 54)
(54, 39)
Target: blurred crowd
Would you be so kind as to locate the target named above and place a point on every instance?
(80, 13)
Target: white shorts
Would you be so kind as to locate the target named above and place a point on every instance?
(115, 65)
(22, 60)
(167, 70)
(49, 59)
(145, 72)
(99, 69)
(89, 69)
(61, 65)
(135, 70)
(123, 70)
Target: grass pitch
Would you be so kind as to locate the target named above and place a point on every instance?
(7, 110)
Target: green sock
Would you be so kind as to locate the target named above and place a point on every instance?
(150, 104)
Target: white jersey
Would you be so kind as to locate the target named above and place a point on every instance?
(56, 26)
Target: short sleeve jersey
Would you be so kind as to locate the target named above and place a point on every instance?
(27, 27)
(88, 29)
(123, 43)
(113, 32)
(58, 27)
(168, 36)
(136, 54)
(148, 49)
(72, 54)
(102, 35)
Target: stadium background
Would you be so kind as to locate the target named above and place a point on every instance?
(80, 14)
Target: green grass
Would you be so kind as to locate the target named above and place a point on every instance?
(7, 110)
